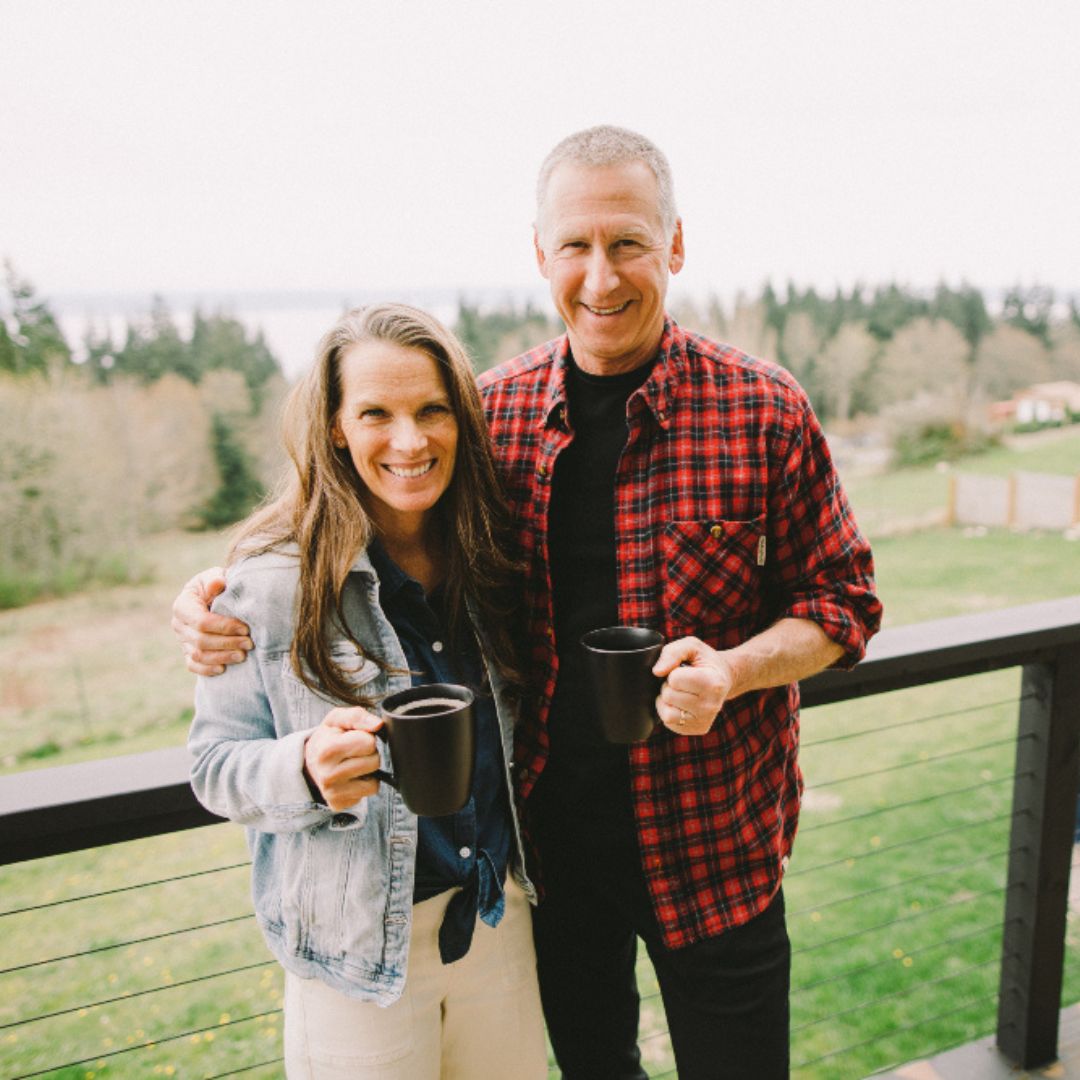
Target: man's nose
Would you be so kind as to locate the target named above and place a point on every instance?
(601, 277)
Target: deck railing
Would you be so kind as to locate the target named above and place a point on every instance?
(77, 807)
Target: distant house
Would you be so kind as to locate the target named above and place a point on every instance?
(1041, 403)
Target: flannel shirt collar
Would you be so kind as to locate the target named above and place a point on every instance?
(657, 392)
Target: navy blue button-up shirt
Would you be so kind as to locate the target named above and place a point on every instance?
(470, 849)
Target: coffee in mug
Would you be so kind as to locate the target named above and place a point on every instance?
(428, 707)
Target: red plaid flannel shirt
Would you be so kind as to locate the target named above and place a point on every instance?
(728, 516)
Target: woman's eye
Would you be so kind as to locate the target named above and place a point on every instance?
(434, 410)
(372, 414)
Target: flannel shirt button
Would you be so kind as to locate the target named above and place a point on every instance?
(716, 532)
(542, 470)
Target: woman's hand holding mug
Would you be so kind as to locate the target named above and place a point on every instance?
(341, 753)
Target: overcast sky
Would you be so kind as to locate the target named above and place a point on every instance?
(164, 145)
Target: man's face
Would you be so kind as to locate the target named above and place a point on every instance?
(602, 246)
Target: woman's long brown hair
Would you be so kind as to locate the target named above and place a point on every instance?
(318, 506)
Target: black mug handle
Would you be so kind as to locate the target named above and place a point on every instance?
(381, 774)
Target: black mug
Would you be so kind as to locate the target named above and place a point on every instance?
(619, 661)
(431, 731)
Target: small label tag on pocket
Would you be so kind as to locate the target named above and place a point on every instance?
(761, 551)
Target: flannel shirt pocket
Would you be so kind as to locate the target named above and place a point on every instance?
(713, 574)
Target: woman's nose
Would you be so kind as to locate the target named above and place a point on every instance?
(407, 436)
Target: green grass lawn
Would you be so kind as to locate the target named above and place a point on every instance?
(894, 893)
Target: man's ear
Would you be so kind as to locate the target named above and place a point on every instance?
(541, 258)
(678, 252)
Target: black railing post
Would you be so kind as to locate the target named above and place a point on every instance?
(1037, 898)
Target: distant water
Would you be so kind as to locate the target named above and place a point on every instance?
(291, 322)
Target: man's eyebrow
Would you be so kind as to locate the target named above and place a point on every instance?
(563, 236)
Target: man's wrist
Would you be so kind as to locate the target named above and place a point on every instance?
(734, 667)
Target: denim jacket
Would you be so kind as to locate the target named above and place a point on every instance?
(333, 892)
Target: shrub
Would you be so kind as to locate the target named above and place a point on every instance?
(938, 440)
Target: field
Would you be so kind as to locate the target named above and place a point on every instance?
(916, 850)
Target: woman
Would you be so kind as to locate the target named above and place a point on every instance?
(379, 565)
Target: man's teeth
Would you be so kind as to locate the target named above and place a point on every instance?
(409, 474)
(606, 311)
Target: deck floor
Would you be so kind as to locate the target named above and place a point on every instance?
(981, 1061)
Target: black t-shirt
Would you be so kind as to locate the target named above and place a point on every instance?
(585, 771)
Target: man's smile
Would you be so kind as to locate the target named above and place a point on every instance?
(606, 311)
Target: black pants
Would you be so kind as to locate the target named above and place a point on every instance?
(726, 997)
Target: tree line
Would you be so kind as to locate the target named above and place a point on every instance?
(99, 448)
(919, 368)
(32, 343)
(161, 430)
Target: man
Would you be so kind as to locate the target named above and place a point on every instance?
(659, 479)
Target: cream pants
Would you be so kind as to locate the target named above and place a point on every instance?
(476, 1019)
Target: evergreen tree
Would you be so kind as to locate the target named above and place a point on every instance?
(239, 489)
(154, 347)
(100, 357)
(8, 355)
(490, 337)
(1030, 309)
(32, 341)
(469, 333)
(219, 342)
(892, 308)
(776, 313)
(965, 309)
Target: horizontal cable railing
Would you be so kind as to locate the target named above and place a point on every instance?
(162, 975)
(833, 1000)
(922, 808)
(900, 885)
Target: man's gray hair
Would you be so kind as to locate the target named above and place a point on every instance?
(603, 145)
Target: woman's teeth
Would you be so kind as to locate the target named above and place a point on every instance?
(410, 473)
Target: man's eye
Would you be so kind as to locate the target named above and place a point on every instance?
(574, 245)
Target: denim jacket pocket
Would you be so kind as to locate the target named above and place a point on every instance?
(713, 574)
(306, 706)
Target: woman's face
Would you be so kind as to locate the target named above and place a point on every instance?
(399, 426)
